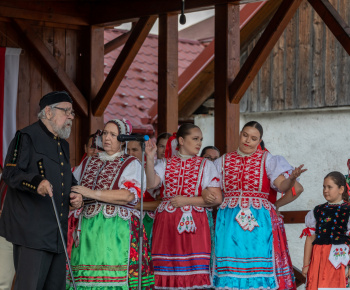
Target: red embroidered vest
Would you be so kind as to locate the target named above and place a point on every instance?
(104, 175)
(182, 177)
(244, 180)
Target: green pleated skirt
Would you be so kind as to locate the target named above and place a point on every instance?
(107, 255)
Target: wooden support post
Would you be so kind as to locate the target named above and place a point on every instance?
(227, 61)
(96, 74)
(168, 73)
(262, 49)
(92, 67)
(334, 21)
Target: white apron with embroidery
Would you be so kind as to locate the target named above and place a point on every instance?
(338, 255)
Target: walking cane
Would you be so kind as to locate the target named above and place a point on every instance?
(63, 242)
(141, 211)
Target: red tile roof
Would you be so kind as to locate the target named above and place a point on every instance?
(138, 91)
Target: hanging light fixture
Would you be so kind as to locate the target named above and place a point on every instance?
(182, 16)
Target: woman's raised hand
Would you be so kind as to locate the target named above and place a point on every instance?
(297, 172)
(150, 149)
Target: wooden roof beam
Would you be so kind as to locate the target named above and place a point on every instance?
(44, 55)
(108, 12)
(27, 14)
(194, 90)
(118, 41)
(196, 83)
(198, 78)
(334, 21)
(262, 49)
(122, 64)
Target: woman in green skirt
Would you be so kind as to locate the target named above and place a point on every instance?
(105, 250)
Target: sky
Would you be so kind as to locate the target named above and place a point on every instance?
(191, 18)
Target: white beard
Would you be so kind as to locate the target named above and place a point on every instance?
(64, 131)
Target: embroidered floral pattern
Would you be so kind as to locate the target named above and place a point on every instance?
(147, 265)
(339, 255)
(246, 220)
(186, 223)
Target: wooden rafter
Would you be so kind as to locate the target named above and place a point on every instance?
(116, 42)
(44, 55)
(253, 22)
(193, 90)
(196, 83)
(122, 64)
(262, 49)
(334, 21)
(198, 78)
(27, 14)
(108, 12)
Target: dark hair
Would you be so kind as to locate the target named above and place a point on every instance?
(184, 130)
(262, 145)
(88, 139)
(339, 179)
(164, 135)
(137, 135)
(209, 147)
(255, 125)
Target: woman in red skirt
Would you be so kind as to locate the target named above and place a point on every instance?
(181, 235)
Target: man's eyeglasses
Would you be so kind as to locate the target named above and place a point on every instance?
(67, 111)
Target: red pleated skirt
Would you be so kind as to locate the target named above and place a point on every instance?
(322, 273)
(181, 260)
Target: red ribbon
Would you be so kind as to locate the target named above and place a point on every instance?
(168, 149)
(130, 184)
(307, 232)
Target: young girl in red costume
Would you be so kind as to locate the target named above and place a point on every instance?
(326, 251)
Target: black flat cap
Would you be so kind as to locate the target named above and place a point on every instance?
(53, 98)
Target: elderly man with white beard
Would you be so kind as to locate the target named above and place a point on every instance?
(37, 168)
